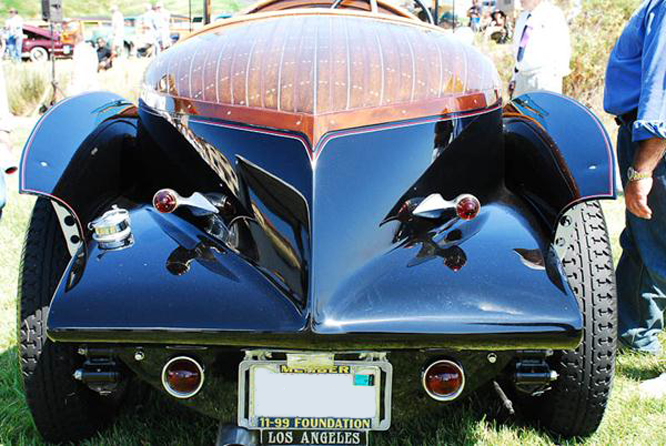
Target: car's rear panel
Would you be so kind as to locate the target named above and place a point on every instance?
(320, 255)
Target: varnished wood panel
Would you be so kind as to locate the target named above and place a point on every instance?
(315, 71)
(360, 5)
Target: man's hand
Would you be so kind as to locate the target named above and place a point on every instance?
(636, 197)
(650, 152)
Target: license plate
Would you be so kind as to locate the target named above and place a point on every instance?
(310, 437)
(301, 395)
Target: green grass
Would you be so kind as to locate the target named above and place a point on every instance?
(80, 8)
(629, 420)
(26, 86)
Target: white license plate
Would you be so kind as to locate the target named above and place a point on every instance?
(343, 396)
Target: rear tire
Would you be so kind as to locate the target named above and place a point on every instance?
(62, 408)
(576, 404)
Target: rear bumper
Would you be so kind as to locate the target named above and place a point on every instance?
(499, 338)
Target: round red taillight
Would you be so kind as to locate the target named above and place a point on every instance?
(443, 380)
(165, 201)
(182, 377)
(467, 207)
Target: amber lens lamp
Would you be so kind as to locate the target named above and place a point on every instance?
(443, 380)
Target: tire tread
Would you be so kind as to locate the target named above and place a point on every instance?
(576, 404)
(62, 409)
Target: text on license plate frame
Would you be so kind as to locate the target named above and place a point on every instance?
(246, 398)
(310, 437)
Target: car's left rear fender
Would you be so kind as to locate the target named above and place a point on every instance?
(78, 153)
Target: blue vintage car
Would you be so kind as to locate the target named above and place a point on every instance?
(314, 204)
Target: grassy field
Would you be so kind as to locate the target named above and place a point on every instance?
(82, 8)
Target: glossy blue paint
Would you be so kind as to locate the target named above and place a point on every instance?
(319, 254)
(79, 152)
(135, 289)
(57, 136)
(558, 153)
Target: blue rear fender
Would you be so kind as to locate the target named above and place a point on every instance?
(558, 154)
(75, 152)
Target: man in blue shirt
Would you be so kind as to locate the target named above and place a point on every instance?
(636, 94)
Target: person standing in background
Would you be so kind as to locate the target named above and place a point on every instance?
(149, 21)
(636, 93)
(474, 14)
(162, 22)
(117, 31)
(84, 67)
(541, 49)
(14, 25)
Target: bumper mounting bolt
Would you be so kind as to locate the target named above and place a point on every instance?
(139, 355)
(78, 375)
(492, 358)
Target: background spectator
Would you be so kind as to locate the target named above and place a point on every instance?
(84, 67)
(498, 30)
(149, 27)
(541, 47)
(162, 21)
(14, 25)
(117, 30)
(104, 55)
(474, 14)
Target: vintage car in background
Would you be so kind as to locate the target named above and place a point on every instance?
(315, 211)
(39, 44)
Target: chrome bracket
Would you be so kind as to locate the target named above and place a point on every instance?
(70, 229)
(433, 206)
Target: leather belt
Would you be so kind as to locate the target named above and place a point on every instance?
(627, 118)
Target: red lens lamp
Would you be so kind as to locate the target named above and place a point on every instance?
(467, 207)
(165, 201)
(443, 380)
(182, 377)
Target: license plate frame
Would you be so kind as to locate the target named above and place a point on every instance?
(253, 361)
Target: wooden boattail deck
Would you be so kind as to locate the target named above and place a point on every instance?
(314, 71)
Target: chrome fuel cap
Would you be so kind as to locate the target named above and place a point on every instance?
(112, 230)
